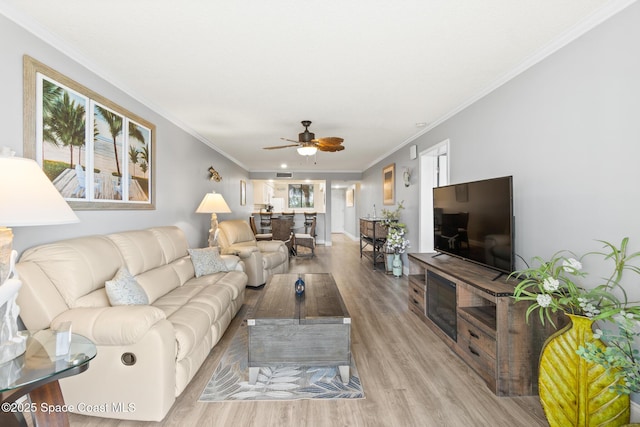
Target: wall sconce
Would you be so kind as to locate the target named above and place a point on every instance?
(406, 177)
(214, 175)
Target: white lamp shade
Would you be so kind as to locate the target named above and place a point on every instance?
(28, 197)
(213, 203)
(307, 150)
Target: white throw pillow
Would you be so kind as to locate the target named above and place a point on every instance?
(207, 261)
(123, 289)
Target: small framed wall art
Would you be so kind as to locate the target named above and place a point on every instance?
(389, 184)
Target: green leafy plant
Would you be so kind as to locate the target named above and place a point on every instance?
(390, 216)
(554, 285)
(619, 356)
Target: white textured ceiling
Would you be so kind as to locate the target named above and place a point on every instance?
(241, 74)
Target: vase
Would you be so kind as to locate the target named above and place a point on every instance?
(573, 391)
(388, 262)
(397, 265)
(299, 285)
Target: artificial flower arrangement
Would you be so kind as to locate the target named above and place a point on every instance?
(396, 242)
(554, 286)
(395, 238)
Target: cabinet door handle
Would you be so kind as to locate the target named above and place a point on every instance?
(415, 302)
(473, 334)
(473, 351)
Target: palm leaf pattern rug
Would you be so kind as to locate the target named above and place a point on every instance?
(230, 380)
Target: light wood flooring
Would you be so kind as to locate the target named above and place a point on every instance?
(410, 377)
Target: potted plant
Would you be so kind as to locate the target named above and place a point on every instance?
(572, 356)
(620, 355)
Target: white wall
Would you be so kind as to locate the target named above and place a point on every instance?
(338, 206)
(181, 159)
(567, 130)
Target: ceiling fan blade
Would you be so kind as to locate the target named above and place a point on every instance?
(290, 140)
(275, 147)
(330, 140)
(331, 148)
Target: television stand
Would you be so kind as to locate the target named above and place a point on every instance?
(491, 333)
(500, 274)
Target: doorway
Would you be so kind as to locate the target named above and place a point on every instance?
(434, 172)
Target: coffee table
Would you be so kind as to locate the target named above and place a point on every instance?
(309, 330)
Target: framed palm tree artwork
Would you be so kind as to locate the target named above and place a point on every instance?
(96, 153)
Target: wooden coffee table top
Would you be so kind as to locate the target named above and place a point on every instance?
(320, 303)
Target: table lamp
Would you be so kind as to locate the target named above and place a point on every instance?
(214, 204)
(27, 197)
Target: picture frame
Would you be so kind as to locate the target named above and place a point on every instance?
(243, 192)
(96, 153)
(389, 184)
(350, 197)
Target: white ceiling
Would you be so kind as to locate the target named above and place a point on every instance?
(241, 74)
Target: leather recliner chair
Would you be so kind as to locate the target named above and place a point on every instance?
(261, 258)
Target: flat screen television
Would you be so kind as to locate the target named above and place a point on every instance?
(474, 221)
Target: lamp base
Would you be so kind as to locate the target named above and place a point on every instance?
(6, 240)
(212, 231)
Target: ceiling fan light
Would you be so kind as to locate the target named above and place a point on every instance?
(307, 151)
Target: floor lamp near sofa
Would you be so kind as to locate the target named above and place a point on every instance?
(214, 204)
(27, 197)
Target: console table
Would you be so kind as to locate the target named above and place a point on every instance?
(36, 372)
(373, 233)
(487, 328)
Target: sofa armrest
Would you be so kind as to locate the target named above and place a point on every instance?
(242, 251)
(120, 325)
(232, 262)
(272, 246)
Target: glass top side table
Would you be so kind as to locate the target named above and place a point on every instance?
(36, 372)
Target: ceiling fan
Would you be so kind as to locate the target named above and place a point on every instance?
(308, 144)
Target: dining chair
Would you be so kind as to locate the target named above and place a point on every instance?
(265, 220)
(259, 236)
(282, 229)
(308, 217)
(306, 240)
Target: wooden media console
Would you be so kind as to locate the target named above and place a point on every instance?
(483, 324)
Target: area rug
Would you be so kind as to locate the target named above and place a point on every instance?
(230, 380)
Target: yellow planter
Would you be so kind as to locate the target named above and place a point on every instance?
(574, 392)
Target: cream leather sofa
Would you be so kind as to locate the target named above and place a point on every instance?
(261, 258)
(169, 338)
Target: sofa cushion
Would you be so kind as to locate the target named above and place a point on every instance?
(207, 261)
(75, 267)
(235, 281)
(140, 250)
(159, 281)
(172, 241)
(235, 231)
(192, 310)
(123, 289)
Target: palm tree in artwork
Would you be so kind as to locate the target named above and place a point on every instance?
(64, 124)
(144, 157)
(135, 132)
(133, 157)
(114, 122)
(51, 94)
